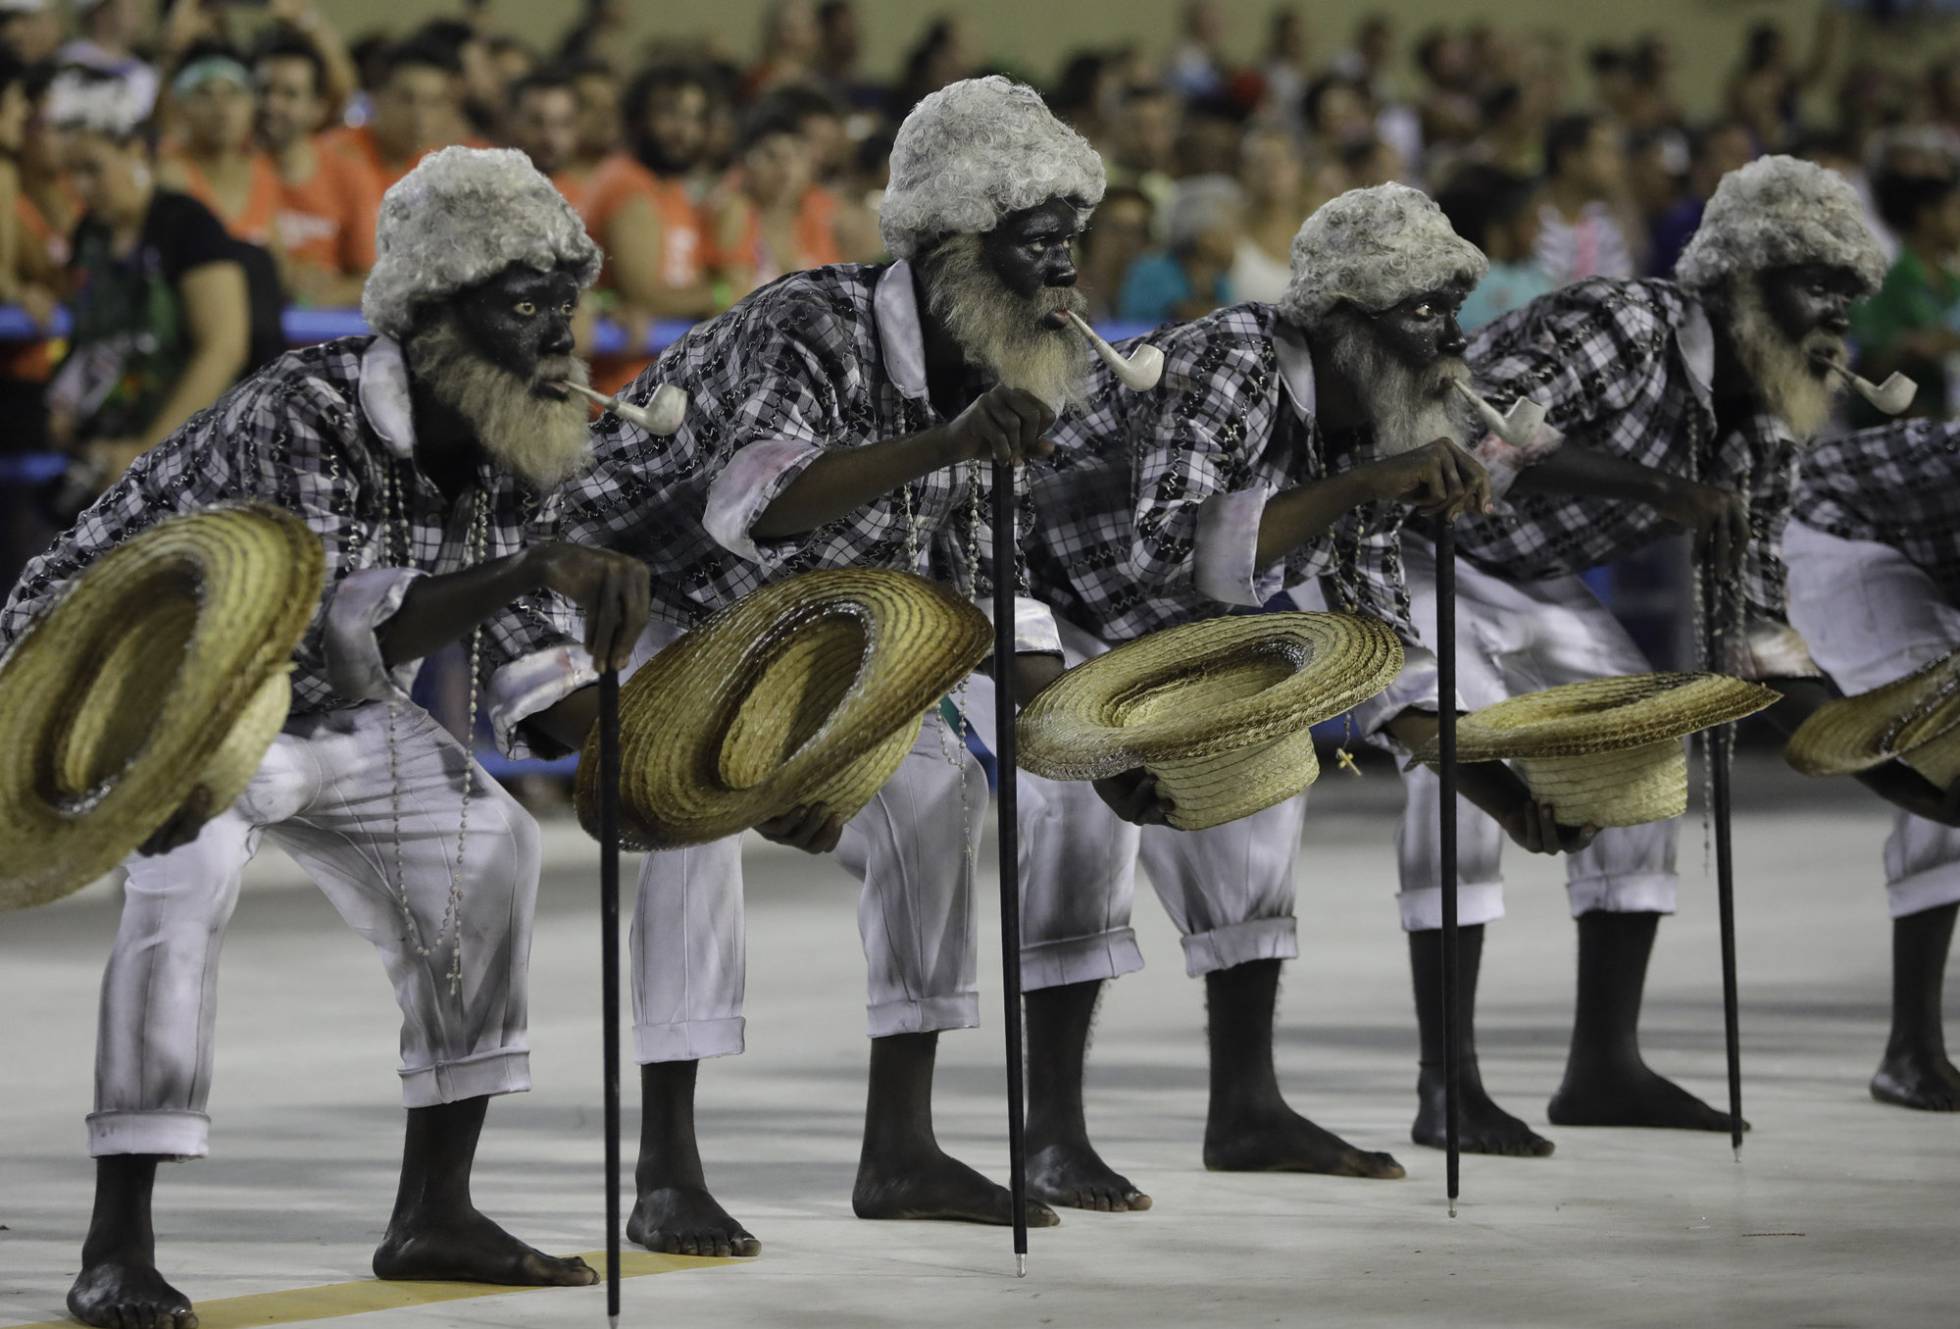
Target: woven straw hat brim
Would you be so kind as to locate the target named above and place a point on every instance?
(1857, 733)
(1204, 689)
(810, 691)
(1625, 787)
(1603, 715)
(165, 667)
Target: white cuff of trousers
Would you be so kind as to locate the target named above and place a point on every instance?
(923, 1015)
(689, 1040)
(1035, 632)
(362, 602)
(745, 488)
(1629, 893)
(1241, 943)
(1932, 888)
(1477, 903)
(1225, 551)
(506, 1071)
(1093, 959)
(1503, 462)
(171, 1132)
(534, 683)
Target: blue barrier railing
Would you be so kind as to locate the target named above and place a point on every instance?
(305, 327)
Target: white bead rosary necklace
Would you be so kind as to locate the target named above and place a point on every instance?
(395, 546)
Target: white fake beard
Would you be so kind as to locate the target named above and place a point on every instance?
(543, 442)
(1408, 407)
(1004, 333)
(1785, 374)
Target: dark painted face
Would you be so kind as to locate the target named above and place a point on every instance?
(1809, 297)
(1032, 249)
(1422, 329)
(520, 318)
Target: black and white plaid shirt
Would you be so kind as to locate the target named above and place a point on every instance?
(820, 360)
(1896, 485)
(317, 433)
(1626, 368)
(1149, 513)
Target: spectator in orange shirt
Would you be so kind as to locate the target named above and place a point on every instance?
(327, 201)
(417, 107)
(543, 124)
(639, 206)
(215, 161)
(772, 217)
(597, 88)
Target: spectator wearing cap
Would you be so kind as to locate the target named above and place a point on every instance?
(1713, 152)
(1194, 275)
(771, 216)
(324, 227)
(415, 108)
(215, 160)
(30, 29)
(1494, 210)
(1581, 227)
(162, 320)
(105, 53)
(1913, 323)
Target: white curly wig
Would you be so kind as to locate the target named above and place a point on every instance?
(1776, 212)
(975, 151)
(1375, 247)
(460, 217)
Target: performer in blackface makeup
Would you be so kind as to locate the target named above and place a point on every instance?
(1672, 404)
(1285, 443)
(419, 456)
(1873, 548)
(841, 417)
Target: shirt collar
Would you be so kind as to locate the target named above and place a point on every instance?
(901, 340)
(1697, 342)
(384, 395)
(1295, 367)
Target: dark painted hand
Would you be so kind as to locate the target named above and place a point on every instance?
(1718, 517)
(1438, 477)
(1535, 827)
(184, 825)
(612, 590)
(1136, 797)
(814, 829)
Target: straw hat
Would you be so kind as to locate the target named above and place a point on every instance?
(163, 668)
(1607, 751)
(1916, 719)
(810, 691)
(1218, 710)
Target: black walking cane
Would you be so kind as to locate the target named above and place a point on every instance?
(609, 965)
(1007, 781)
(1446, 774)
(1720, 743)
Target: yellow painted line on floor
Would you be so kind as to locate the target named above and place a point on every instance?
(336, 1299)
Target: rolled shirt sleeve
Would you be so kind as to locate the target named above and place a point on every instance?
(354, 613)
(1035, 630)
(531, 684)
(1225, 550)
(752, 479)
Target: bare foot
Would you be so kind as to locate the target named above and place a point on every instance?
(1917, 1078)
(120, 1291)
(936, 1186)
(1281, 1140)
(466, 1247)
(1074, 1175)
(686, 1220)
(1482, 1127)
(1630, 1095)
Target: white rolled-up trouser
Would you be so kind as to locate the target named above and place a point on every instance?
(1514, 637)
(324, 795)
(1870, 617)
(1229, 890)
(911, 849)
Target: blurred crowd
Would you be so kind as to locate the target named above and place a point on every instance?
(177, 176)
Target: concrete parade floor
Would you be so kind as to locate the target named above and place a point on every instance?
(1840, 1213)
